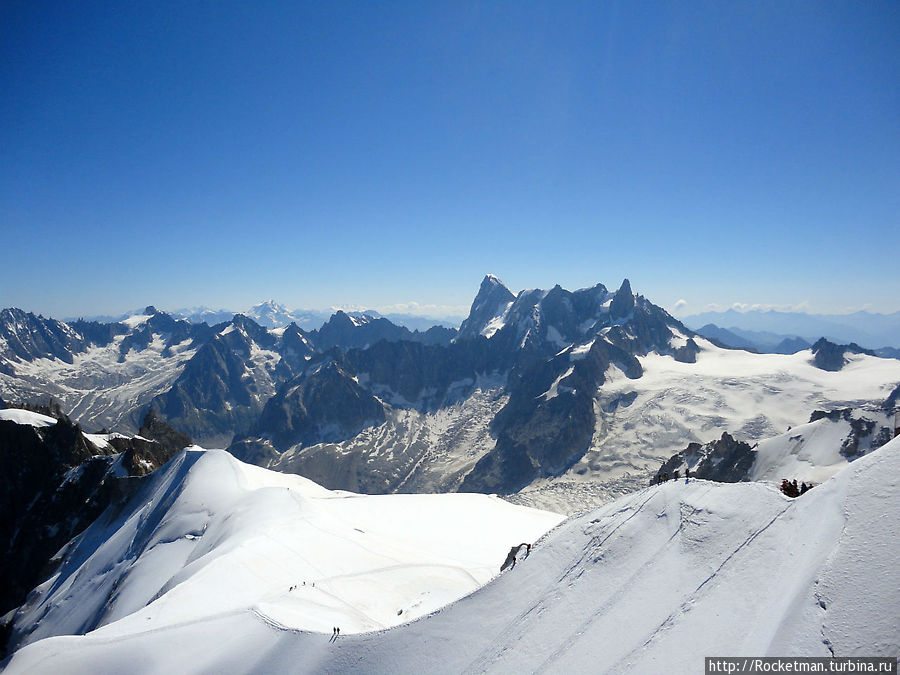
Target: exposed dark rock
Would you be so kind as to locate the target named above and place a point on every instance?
(326, 404)
(865, 434)
(257, 451)
(892, 402)
(687, 353)
(155, 429)
(173, 332)
(29, 337)
(491, 299)
(539, 434)
(623, 302)
(53, 484)
(829, 356)
(725, 460)
(359, 332)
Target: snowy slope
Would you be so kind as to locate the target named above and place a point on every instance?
(641, 422)
(812, 452)
(209, 535)
(27, 417)
(650, 583)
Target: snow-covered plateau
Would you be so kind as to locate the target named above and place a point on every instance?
(205, 572)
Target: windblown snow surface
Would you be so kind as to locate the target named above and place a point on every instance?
(650, 583)
(27, 417)
(210, 535)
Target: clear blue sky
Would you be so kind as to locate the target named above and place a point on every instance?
(375, 153)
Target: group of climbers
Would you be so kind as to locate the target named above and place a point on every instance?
(791, 489)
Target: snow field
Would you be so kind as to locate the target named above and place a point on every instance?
(652, 582)
(209, 535)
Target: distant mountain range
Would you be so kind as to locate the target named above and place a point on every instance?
(271, 314)
(768, 328)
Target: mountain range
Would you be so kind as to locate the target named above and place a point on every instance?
(271, 314)
(561, 398)
(766, 328)
(558, 400)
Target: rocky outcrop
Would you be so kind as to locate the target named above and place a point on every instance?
(725, 460)
(830, 356)
(326, 404)
(54, 482)
(623, 302)
(27, 337)
(548, 423)
(865, 434)
(490, 302)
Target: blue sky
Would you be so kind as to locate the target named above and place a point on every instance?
(378, 154)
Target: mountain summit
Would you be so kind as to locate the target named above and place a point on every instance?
(492, 300)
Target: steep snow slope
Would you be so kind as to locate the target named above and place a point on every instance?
(815, 451)
(641, 422)
(209, 535)
(651, 583)
(811, 452)
(27, 417)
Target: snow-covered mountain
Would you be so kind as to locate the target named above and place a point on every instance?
(103, 375)
(208, 535)
(566, 398)
(649, 583)
(810, 453)
(55, 479)
(210, 381)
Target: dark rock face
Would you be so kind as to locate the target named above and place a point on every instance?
(212, 396)
(490, 301)
(829, 356)
(173, 331)
(342, 331)
(221, 391)
(726, 460)
(539, 434)
(892, 401)
(324, 405)
(865, 434)
(155, 429)
(29, 337)
(346, 332)
(687, 353)
(53, 484)
(549, 420)
(408, 369)
(623, 302)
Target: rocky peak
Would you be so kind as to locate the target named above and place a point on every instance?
(830, 356)
(490, 302)
(623, 302)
